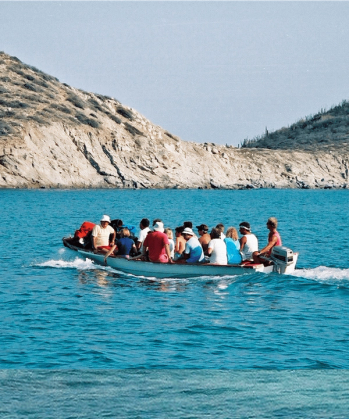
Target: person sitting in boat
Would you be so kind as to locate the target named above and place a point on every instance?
(169, 234)
(233, 246)
(205, 238)
(180, 243)
(158, 245)
(125, 245)
(248, 242)
(220, 227)
(217, 249)
(101, 241)
(274, 239)
(144, 229)
(193, 252)
(157, 220)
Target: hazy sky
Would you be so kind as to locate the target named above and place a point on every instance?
(205, 71)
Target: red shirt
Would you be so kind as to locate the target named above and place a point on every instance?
(155, 241)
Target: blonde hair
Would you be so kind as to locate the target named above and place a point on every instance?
(273, 221)
(125, 232)
(232, 233)
(169, 233)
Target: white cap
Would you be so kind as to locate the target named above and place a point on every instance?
(159, 226)
(189, 231)
(105, 218)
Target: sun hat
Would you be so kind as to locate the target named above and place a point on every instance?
(105, 218)
(188, 231)
(159, 226)
(202, 227)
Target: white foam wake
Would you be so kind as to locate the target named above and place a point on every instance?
(323, 273)
(75, 264)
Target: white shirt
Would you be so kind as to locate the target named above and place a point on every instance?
(251, 246)
(102, 234)
(142, 235)
(219, 252)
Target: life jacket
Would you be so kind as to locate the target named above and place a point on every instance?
(85, 229)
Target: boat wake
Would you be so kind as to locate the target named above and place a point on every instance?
(78, 263)
(322, 273)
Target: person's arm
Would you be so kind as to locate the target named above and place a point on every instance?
(113, 238)
(269, 246)
(243, 241)
(209, 251)
(94, 241)
(168, 252)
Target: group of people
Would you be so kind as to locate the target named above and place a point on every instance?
(158, 244)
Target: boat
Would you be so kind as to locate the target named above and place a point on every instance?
(283, 261)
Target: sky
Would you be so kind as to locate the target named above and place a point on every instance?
(205, 71)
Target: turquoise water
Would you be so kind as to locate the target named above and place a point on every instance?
(67, 323)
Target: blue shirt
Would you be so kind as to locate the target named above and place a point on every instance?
(124, 246)
(194, 250)
(233, 253)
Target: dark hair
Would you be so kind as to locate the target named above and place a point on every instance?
(145, 222)
(245, 224)
(188, 224)
(179, 229)
(157, 220)
(220, 227)
(215, 233)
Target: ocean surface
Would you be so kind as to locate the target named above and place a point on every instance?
(81, 340)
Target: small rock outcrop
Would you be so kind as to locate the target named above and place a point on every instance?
(55, 136)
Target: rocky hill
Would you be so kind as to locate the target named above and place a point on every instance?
(55, 136)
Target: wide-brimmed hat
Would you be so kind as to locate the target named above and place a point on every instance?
(105, 218)
(188, 231)
(202, 227)
(159, 226)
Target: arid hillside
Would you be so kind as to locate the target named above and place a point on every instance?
(55, 136)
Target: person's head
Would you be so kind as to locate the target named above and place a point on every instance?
(125, 232)
(220, 227)
(187, 233)
(245, 227)
(202, 229)
(179, 231)
(157, 220)
(232, 233)
(144, 223)
(188, 224)
(159, 226)
(169, 233)
(105, 220)
(272, 222)
(215, 233)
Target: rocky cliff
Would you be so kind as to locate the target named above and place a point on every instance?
(55, 136)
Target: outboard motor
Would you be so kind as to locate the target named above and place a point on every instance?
(282, 257)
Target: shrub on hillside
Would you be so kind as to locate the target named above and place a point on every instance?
(31, 87)
(113, 117)
(35, 98)
(60, 108)
(132, 130)
(39, 119)
(125, 113)
(87, 121)
(3, 90)
(76, 101)
(5, 128)
(94, 104)
(13, 104)
(5, 79)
